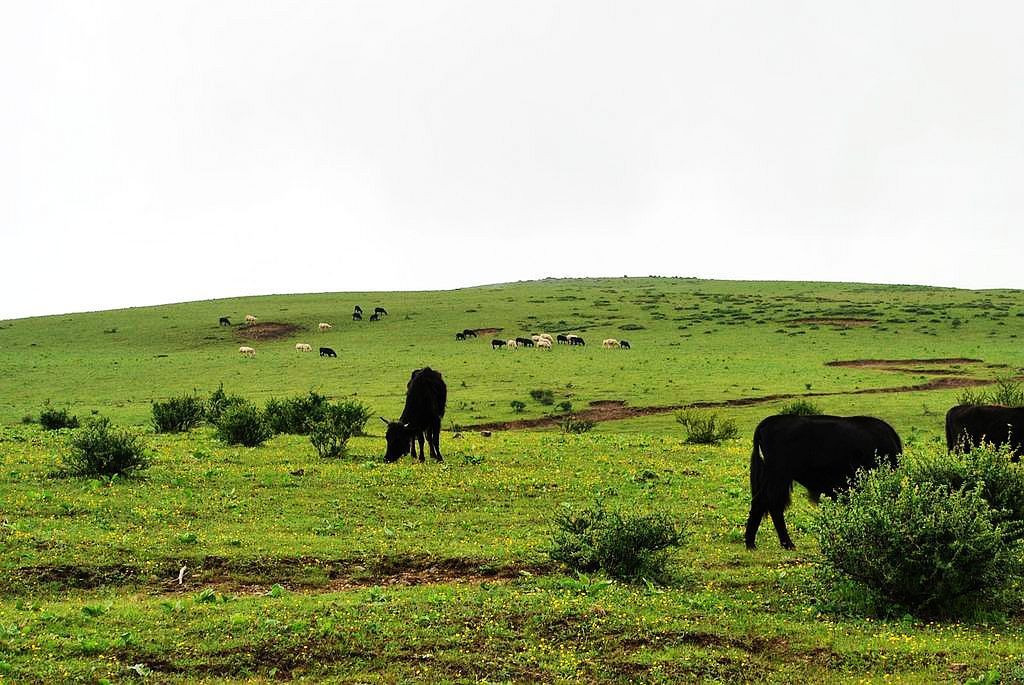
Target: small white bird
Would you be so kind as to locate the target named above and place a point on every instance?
(181, 574)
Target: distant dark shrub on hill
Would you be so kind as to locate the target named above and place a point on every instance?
(244, 424)
(54, 419)
(801, 408)
(543, 396)
(100, 449)
(178, 414)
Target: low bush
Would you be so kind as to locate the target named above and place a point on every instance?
(517, 406)
(705, 427)
(297, 414)
(329, 436)
(100, 449)
(178, 414)
(543, 396)
(1008, 393)
(565, 405)
(918, 546)
(570, 424)
(625, 546)
(219, 402)
(801, 408)
(244, 423)
(55, 419)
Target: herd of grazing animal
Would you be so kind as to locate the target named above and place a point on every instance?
(545, 341)
(323, 327)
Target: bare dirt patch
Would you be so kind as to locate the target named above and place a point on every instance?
(833, 321)
(608, 403)
(486, 331)
(270, 330)
(895, 364)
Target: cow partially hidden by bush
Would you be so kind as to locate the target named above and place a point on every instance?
(425, 399)
(822, 453)
(970, 425)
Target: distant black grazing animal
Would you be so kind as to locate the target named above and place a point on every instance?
(460, 336)
(469, 333)
(357, 308)
(380, 311)
(225, 321)
(495, 344)
(576, 340)
(327, 352)
(524, 342)
(375, 317)
(561, 339)
(357, 316)
(425, 399)
(624, 345)
(969, 425)
(821, 453)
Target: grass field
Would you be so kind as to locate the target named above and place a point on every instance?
(354, 570)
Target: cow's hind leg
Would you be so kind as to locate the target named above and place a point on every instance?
(419, 438)
(434, 439)
(780, 527)
(757, 513)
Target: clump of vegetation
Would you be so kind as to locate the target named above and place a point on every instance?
(100, 449)
(706, 427)
(801, 408)
(28, 419)
(545, 397)
(896, 543)
(517, 406)
(219, 402)
(1007, 392)
(565, 405)
(178, 414)
(625, 546)
(244, 423)
(55, 419)
(298, 414)
(329, 436)
(570, 424)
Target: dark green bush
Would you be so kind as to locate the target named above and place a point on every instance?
(178, 414)
(517, 406)
(245, 424)
(27, 419)
(297, 414)
(54, 419)
(329, 436)
(625, 546)
(801, 408)
(543, 396)
(565, 405)
(570, 424)
(1008, 393)
(219, 402)
(99, 449)
(705, 427)
(918, 547)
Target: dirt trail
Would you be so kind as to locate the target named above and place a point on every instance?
(267, 331)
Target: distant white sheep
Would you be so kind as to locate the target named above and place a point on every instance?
(547, 336)
(610, 342)
(250, 319)
(535, 338)
(512, 344)
(303, 347)
(324, 327)
(247, 351)
(544, 344)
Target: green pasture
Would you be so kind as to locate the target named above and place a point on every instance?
(353, 570)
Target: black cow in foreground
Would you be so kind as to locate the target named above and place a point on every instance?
(225, 321)
(425, 399)
(380, 311)
(496, 344)
(524, 342)
(822, 453)
(327, 352)
(970, 425)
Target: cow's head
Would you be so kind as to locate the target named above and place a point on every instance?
(398, 437)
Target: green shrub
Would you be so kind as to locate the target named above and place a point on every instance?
(297, 414)
(329, 436)
(705, 427)
(625, 546)
(920, 546)
(517, 406)
(219, 402)
(54, 419)
(99, 449)
(570, 424)
(1007, 393)
(28, 419)
(801, 408)
(543, 396)
(178, 414)
(245, 424)
(565, 405)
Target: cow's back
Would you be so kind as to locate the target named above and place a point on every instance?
(985, 423)
(426, 397)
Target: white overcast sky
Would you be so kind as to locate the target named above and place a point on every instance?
(155, 152)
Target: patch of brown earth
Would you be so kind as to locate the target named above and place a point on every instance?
(831, 321)
(486, 331)
(889, 364)
(608, 403)
(267, 331)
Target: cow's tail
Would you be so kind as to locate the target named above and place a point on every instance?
(758, 473)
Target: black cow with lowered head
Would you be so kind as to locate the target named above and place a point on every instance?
(327, 352)
(469, 332)
(460, 336)
(357, 308)
(524, 342)
(822, 453)
(497, 344)
(577, 340)
(224, 321)
(969, 425)
(425, 399)
(380, 311)
(357, 316)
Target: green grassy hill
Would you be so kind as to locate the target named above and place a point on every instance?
(353, 570)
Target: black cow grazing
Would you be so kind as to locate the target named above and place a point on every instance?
(375, 317)
(821, 453)
(469, 333)
(460, 336)
(327, 352)
(562, 339)
(624, 345)
(357, 308)
(577, 340)
(357, 316)
(425, 399)
(524, 342)
(380, 311)
(224, 321)
(969, 425)
(496, 344)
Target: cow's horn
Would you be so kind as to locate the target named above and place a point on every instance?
(386, 422)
